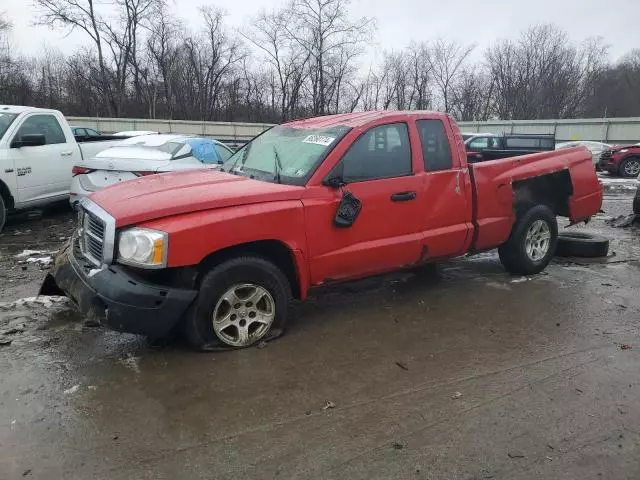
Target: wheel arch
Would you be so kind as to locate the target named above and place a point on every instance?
(275, 251)
(5, 193)
(553, 190)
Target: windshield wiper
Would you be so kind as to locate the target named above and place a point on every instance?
(277, 166)
(242, 157)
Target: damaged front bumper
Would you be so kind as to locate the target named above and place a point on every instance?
(116, 297)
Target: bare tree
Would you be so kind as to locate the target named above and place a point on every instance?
(419, 65)
(446, 58)
(543, 75)
(288, 60)
(323, 29)
(80, 15)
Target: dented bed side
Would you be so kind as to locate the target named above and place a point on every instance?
(495, 199)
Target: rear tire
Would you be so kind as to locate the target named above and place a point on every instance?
(532, 242)
(3, 213)
(241, 302)
(630, 167)
(636, 202)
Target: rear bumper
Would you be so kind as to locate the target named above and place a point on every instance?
(116, 298)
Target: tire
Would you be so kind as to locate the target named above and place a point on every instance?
(247, 278)
(3, 213)
(582, 244)
(630, 167)
(636, 202)
(532, 242)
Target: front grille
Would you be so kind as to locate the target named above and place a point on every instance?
(92, 236)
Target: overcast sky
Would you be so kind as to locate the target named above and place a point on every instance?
(401, 21)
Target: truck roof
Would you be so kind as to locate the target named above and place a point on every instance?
(358, 119)
(21, 109)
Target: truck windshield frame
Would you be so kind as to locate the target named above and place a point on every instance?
(6, 119)
(300, 151)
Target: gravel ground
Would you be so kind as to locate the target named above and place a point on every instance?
(472, 374)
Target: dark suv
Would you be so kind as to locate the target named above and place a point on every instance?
(483, 147)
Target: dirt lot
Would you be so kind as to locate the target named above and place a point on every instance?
(471, 375)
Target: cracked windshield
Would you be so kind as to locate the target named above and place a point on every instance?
(290, 154)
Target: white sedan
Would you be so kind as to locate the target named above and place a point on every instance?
(596, 148)
(145, 155)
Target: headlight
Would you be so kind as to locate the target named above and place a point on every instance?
(624, 150)
(142, 247)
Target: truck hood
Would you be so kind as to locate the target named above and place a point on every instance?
(164, 195)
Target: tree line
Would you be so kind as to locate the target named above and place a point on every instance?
(308, 57)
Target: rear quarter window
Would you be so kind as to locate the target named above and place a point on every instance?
(436, 150)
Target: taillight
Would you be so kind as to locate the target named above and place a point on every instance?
(143, 174)
(80, 171)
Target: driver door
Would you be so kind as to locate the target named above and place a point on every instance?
(378, 170)
(42, 171)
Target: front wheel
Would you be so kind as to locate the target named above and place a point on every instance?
(630, 167)
(532, 242)
(241, 302)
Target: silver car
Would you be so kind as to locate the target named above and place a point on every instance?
(145, 155)
(596, 148)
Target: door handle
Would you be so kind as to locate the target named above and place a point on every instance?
(403, 196)
(66, 154)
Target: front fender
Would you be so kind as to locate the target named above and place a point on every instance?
(196, 235)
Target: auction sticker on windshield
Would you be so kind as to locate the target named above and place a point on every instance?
(319, 140)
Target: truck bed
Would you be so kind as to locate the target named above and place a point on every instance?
(494, 193)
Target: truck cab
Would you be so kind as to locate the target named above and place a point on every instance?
(37, 152)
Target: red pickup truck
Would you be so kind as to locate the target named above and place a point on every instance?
(221, 253)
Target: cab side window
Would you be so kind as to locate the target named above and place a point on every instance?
(436, 151)
(43, 124)
(381, 152)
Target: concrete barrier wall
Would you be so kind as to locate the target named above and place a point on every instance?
(224, 131)
(610, 130)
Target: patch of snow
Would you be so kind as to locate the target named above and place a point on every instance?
(93, 271)
(44, 300)
(521, 280)
(43, 261)
(72, 390)
(131, 362)
(30, 253)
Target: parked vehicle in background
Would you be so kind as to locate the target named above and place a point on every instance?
(37, 152)
(84, 135)
(84, 132)
(302, 205)
(135, 133)
(144, 155)
(466, 135)
(622, 160)
(596, 148)
(481, 148)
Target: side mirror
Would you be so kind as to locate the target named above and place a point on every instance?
(348, 210)
(29, 140)
(334, 182)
